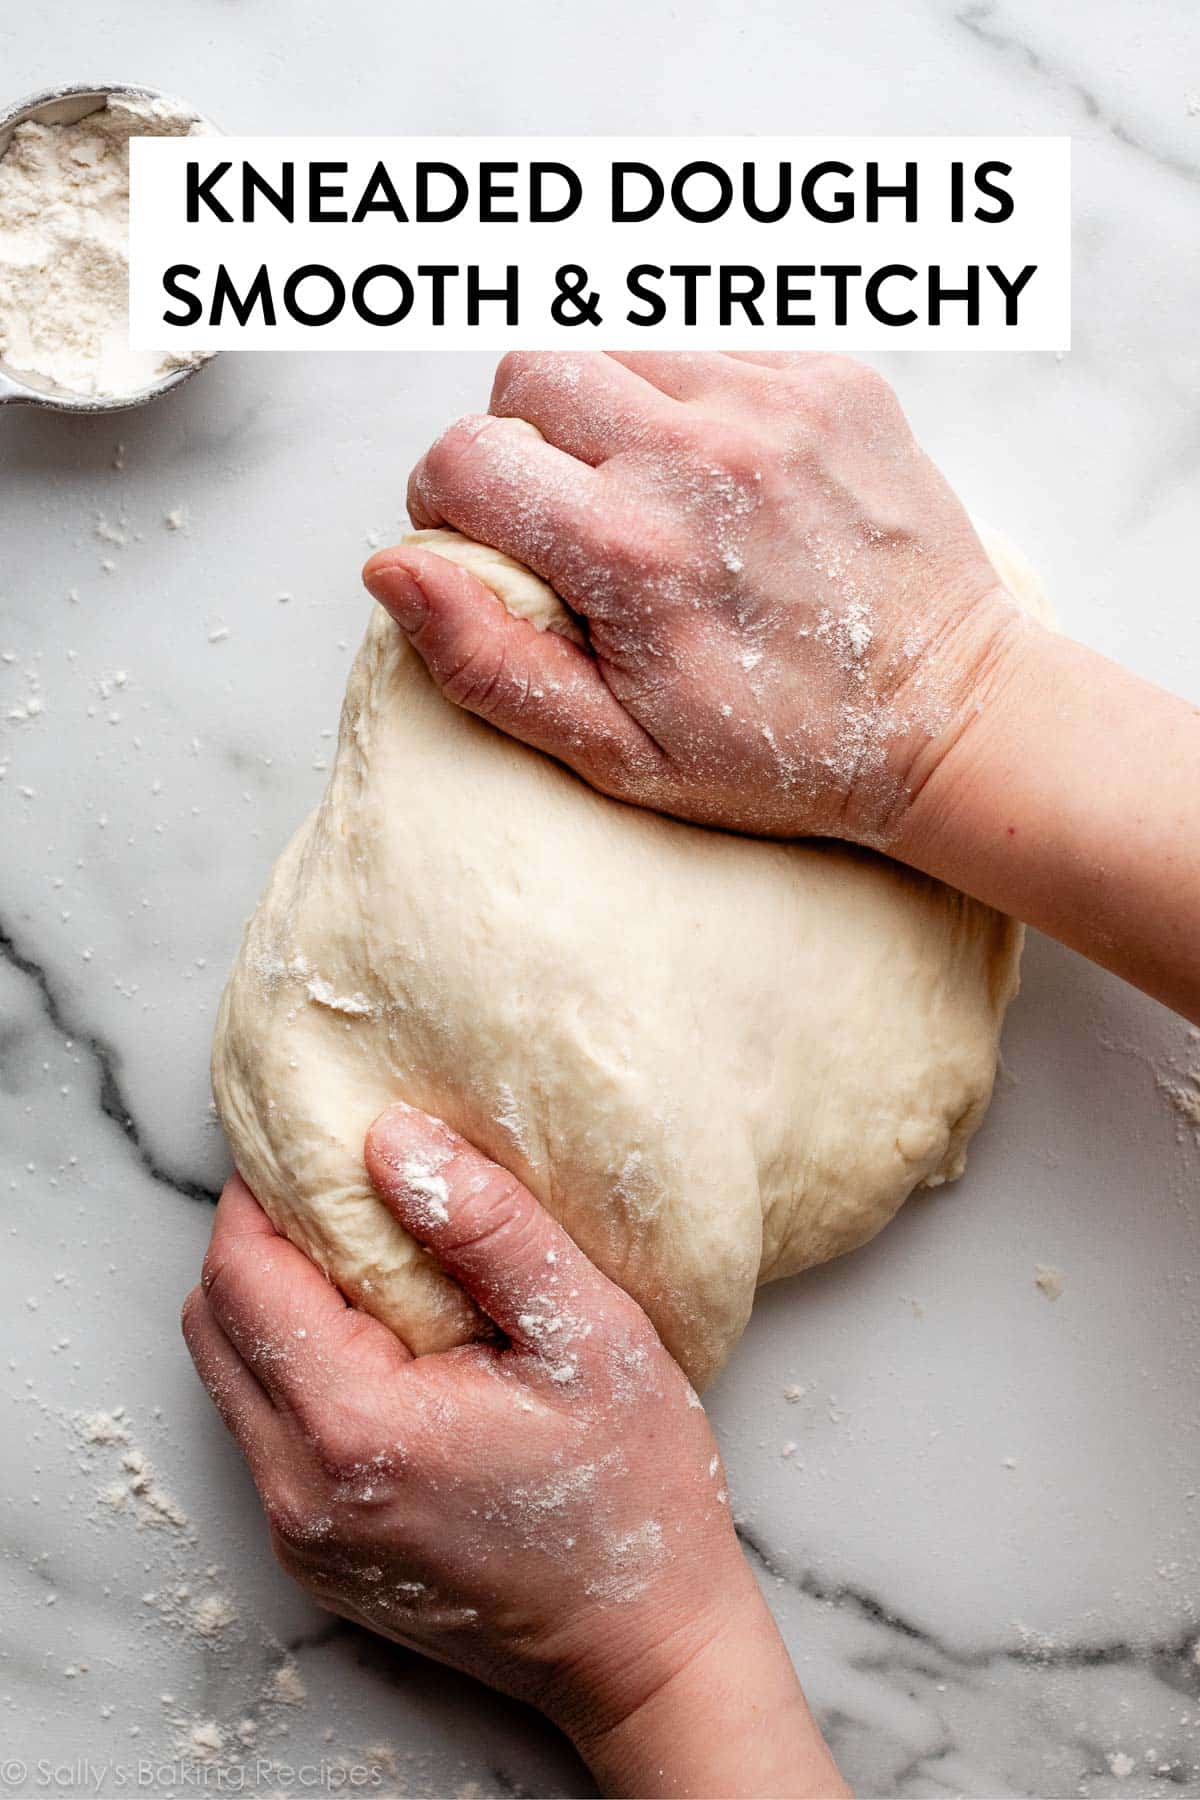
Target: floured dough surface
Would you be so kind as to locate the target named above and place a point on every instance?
(716, 1060)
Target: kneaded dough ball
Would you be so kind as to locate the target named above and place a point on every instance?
(716, 1060)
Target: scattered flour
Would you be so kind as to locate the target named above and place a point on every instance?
(212, 1615)
(152, 1504)
(201, 1741)
(1049, 1281)
(103, 1427)
(187, 1604)
(1183, 1094)
(138, 1490)
(287, 1686)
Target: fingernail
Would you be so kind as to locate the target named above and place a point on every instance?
(392, 1133)
(414, 1182)
(402, 1131)
(395, 589)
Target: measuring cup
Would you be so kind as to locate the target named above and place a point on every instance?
(66, 106)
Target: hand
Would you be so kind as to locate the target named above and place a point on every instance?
(794, 630)
(548, 1513)
(789, 614)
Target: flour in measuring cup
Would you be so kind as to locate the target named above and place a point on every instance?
(64, 248)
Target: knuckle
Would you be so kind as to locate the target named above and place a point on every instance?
(285, 1551)
(607, 766)
(729, 449)
(743, 459)
(338, 1451)
(865, 385)
(640, 1328)
(354, 1327)
(625, 557)
(624, 1314)
(287, 1530)
(478, 680)
(857, 374)
(417, 497)
(446, 456)
(511, 372)
(625, 770)
(214, 1272)
(293, 1525)
(830, 370)
(228, 1280)
(366, 1348)
(296, 1541)
(439, 458)
(841, 386)
(336, 1461)
(533, 378)
(632, 1344)
(499, 1207)
(189, 1313)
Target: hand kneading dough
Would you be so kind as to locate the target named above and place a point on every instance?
(716, 1060)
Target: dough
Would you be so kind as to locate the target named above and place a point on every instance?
(716, 1060)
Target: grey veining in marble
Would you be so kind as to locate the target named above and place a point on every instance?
(975, 1517)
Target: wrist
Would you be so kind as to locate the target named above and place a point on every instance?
(974, 682)
(722, 1713)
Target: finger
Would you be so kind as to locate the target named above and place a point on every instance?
(684, 375)
(786, 361)
(243, 1404)
(588, 405)
(499, 481)
(535, 685)
(288, 1323)
(489, 1232)
(817, 374)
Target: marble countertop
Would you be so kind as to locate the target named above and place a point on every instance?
(978, 1523)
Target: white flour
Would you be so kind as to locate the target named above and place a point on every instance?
(64, 249)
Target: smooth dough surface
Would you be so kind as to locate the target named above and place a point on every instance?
(716, 1060)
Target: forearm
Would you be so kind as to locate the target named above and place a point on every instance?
(1071, 799)
(732, 1721)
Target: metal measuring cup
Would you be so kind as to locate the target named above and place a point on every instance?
(66, 106)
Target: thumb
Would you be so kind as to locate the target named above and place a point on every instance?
(488, 1231)
(535, 685)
